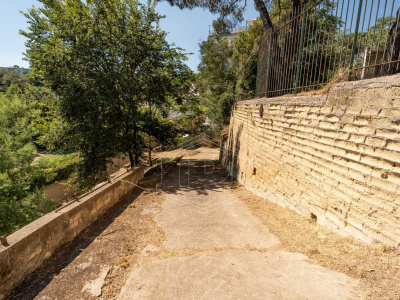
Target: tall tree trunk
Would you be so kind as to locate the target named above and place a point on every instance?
(150, 115)
(131, 159)
(150, 162)
(393, 48)
(135, 144)
(264, 14)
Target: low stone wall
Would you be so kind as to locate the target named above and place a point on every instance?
(59, 192)
(31, 245)
(334, 158)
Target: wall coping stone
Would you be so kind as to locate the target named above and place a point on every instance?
(385, 82)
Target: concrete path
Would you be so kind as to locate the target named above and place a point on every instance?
(227, 253)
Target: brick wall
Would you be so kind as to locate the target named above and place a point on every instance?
(335, 157)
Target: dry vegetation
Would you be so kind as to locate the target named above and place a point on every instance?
(376, 266)
(119, 238)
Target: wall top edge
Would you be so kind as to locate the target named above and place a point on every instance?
(385, 82)
(37, 225)
(315, 100)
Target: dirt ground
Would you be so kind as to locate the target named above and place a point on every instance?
(98, 263)
(377, 267)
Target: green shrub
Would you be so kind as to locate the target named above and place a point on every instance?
(22, 180)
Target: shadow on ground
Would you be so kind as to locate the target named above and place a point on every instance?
(42, 276)
(200, 176)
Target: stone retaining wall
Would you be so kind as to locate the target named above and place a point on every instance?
(31, 245)
(334, 158)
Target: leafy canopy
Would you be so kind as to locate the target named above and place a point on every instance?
(113, 71)
(228, 71)
(21, 177)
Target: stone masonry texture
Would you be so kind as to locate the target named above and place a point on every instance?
(334, 157)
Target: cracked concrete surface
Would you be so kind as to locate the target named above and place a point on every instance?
(213, 220)
(93, 287)
(204, 239)
(234, 255)
(235, 274)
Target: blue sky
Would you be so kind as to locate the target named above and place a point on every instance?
(186, 29)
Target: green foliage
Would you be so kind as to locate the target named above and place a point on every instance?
(216, 80)
(191, 114)
(114, 73)
(11, 78)
(22, 179)
(245, 58)
(14, 214)
(49, 171)
(228, 72)
(56, 133)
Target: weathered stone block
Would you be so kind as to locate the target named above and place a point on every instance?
(390, 113)
(376, 92)
(386, 133)
(375, 142)
(353, 110)
(394, 91)
(378, 102)
(370, 111)
(340, 161)
(393, 145)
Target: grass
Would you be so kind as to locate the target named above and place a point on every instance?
(52, 156)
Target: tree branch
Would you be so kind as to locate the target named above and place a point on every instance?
(264, 14)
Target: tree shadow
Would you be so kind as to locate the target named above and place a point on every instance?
(197, 175)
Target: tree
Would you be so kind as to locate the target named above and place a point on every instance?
(21, 179)
(228, 71)
(231, 11)
(244, 58)
(9, 78)
(54, 132)
(165, 86)
(216, 80)
(190, 113)
(97, 56)
(393, 47)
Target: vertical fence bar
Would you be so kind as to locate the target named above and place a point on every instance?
(294, 50)
(258, 70)
(353, 52)
(380, 34)
(269, 65)
(323, 49)
(305, 55)
(386, 38)
(347, 56)
(300, 50)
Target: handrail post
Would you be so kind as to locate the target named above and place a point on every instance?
(258, 71)
(269, 65)
(353, 52)
(303, 25)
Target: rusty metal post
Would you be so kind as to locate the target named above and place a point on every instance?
(353, 52)
(3, 240)
(300, 50)
(269, 64)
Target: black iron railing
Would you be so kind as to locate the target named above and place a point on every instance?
(356, 39)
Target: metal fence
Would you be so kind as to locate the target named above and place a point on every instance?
(357, 39)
